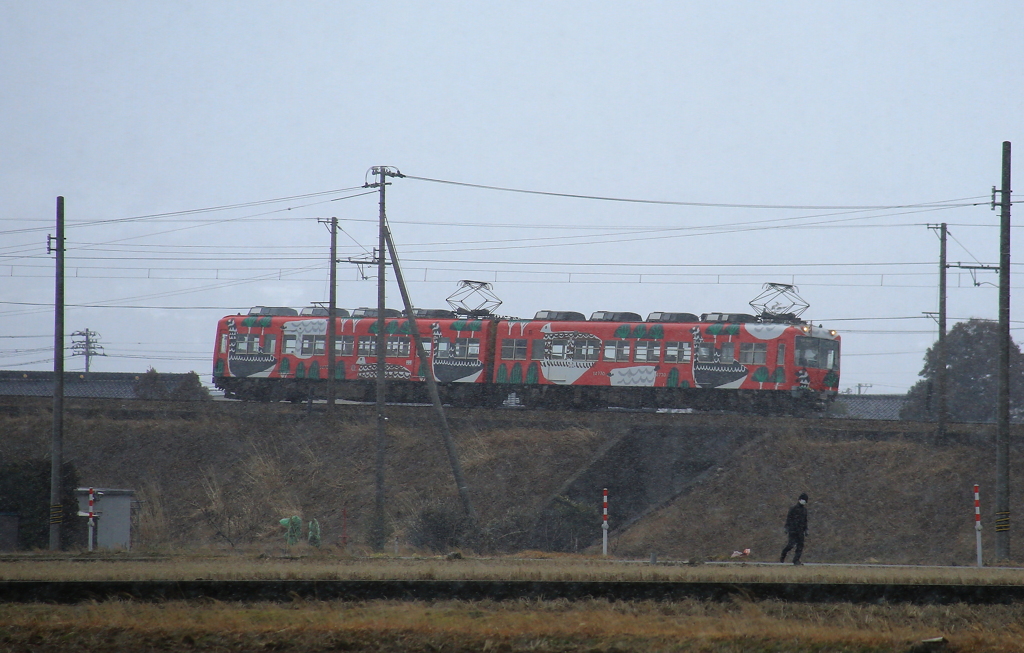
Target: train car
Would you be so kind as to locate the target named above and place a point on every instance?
(670, 360)
(277, 354)
(558, 359)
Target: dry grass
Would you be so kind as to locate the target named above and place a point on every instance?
(505, 626)
(324, 565)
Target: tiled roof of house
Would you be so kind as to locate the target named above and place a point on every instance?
(98, 385)
(870, 406)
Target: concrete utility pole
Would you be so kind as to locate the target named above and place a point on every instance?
(378, 529)
(57, 440)
(332, 316)
(1003, 400)
(940, 372)
(435, 396)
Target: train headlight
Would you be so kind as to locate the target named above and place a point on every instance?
(832, 332)
(806, 328)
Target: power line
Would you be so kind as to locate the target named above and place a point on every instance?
(696, 204)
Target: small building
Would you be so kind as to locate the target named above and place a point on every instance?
(113, 510)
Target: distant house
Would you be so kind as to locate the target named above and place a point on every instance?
(869, 406)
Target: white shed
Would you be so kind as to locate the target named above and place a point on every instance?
(113, 510)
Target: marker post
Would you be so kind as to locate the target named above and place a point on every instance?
(604, 525)
(977, 521)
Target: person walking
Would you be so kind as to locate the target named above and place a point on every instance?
(796, 528)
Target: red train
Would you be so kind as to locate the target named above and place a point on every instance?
(558, 359)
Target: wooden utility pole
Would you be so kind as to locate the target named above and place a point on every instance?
(332, 316)
(57, 440)
(1003, 399)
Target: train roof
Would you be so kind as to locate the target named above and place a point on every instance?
(613, 316)
(661, 316)
(560, 316)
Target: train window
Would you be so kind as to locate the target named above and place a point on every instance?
(367, 346)
(647, 351)
(705, 352)
(616, 350)
(313, 345)
(513, 349)
(754, 353)
(780, 356)
(728, 352)
(677, 352)
(223, 343)
(588, 349)
(269, 344)
(467, 348)
(537, 351)
(397, 346)
(344, 345)
(248, 344)
(444, 348)
(817, 352)
(557, 349)
(289, 344)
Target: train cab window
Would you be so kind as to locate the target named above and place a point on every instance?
(780, 356)
(647, 351)
(817, 352)
(753, 353)
(588, 349)
(367, 346)
(397, 346)
(513, 349)
(344, 345)
(616, 350)
(705, 352)
(289, 344)
(223, 343)
(269, 344)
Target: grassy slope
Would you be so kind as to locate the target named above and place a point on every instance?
(240, 475)
(894, 501)
(891, 501)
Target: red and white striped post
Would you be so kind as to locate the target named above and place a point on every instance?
(92, 517)
(604, 525)
(977, 521)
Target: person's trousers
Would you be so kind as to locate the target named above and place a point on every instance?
(797, 540)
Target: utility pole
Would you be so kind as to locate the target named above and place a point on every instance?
(863, 386)
(940, 431)
(378, 529)
(332, 316)
(435, 397)
(57, 440)
(1003, 399)
(87, 348)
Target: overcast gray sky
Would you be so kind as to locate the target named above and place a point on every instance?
(135, 109)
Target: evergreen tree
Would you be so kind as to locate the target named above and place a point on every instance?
(972, 383)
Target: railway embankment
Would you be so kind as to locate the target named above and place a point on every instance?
(682, 486)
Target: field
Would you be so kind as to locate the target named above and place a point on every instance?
(523, 625)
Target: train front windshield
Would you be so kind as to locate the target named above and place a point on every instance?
(817, 352)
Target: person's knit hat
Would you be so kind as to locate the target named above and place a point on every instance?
(803, 497)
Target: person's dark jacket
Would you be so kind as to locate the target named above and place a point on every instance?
(796, 520)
